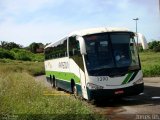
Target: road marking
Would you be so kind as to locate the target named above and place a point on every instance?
(156, 97)
(52, 93)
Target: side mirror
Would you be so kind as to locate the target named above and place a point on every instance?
(142, 40)
(82, 45)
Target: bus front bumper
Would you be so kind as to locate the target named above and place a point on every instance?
(113, 93)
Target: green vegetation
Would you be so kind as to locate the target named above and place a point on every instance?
(9, 45)
(154, 46)
(150, 59)
(11, 50)
(35, 47)
(33, 68)
(20, 54)
(150, 63)
(21, 94)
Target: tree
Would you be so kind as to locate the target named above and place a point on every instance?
(154, 45)
(34, 47)
(9, 45)
(3, 44)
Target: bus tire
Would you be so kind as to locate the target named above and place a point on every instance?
(73, 88)
(53, 82)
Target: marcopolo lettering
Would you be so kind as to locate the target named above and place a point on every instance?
(63, 65)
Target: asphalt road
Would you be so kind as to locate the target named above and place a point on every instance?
(145, 106)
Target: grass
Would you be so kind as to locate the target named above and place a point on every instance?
(21, 94)
(33, 68)
(150, 62)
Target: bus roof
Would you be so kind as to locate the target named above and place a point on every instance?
(93, 31)
(98, 30)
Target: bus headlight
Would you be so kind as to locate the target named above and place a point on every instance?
(93, 86)
(139, 81)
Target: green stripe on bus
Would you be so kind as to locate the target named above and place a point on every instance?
(63, 76)
(127, 78)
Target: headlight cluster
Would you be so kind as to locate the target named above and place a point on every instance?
(93, 86)
(138, 81)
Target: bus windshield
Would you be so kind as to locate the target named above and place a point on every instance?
(114, 52)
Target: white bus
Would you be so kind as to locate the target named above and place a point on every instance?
(95, 63)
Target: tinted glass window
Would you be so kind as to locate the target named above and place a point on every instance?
(57, 50)
(74, 48)
(111, 53)
(124, 49)
(74, 52)
(98, 52)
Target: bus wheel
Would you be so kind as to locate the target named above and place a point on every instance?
(93, 102)
(73, 88)
(53, 82)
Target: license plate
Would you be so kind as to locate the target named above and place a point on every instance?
(119, 92)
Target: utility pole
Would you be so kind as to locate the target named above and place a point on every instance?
(136, 19)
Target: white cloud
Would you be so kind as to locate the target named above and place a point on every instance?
(44, 32)
(16, 6)
(50, 20)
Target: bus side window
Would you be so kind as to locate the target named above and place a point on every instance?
(74, 52)
(60, 50)
(74, 48)
(48, 53)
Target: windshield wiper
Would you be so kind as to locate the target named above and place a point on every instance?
(100, 71)
(111, 72)
(117, 74)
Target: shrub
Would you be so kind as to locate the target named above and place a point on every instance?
(22, 56)
(157, 48)
(154, 45)
(25, 55)
(6, 54)
(38, 57)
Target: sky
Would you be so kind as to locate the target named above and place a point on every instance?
(45, 21)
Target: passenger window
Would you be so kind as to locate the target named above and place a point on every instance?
(74, 48)
(57, 50)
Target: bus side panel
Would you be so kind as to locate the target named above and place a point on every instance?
(59, 68)
(66, 85)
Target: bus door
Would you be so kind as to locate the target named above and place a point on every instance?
(83, 84)
(76, 64)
